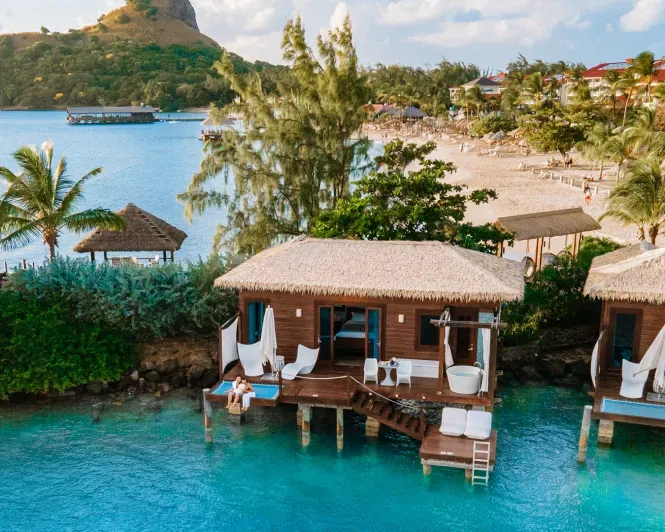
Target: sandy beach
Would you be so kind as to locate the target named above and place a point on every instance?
(519, 191)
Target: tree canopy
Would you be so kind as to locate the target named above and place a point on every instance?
(389, 204)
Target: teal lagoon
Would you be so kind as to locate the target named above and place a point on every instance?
(141, 469)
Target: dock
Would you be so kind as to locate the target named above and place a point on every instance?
(139, 114)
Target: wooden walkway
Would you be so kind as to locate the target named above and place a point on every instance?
(452, 451)
(328, 386)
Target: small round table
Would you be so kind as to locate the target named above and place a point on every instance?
(388, 381)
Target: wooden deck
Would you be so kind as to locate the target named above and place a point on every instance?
(609, 386)
(328, 386)
(452, 451)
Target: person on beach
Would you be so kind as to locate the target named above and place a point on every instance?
(247, 395)
(237, 388)
(587, 194)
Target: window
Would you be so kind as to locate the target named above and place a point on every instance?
(624, 326)
(255, 312)
(427, 334)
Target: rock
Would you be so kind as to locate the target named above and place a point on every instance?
(148, 365)
(152, 376)
(141, 384)
(183, 11)
(96, 387)
(168, 366)
(176, 380)
(117, 403)
(579, 367)
(529, 373)
(209, 378)
(165, 387)
(554, 367)
(158, 394)
(150, 386)
(195, 373)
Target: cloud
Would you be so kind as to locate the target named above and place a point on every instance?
(257, 47)
(644, 15)
(260, 19)
(578, 23)
(609, 28)
(339, 14)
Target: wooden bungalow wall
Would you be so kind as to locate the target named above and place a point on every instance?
(399, 339)
(649, 323)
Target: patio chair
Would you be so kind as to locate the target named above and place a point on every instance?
(371, 370)
(250, 359)
(404, 370)
(453, 421)
(478, 425)
(632, 386)
(304, 364)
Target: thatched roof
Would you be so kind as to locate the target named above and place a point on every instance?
(143, 232)
(548, 223)
(379, 269)
(632, 274)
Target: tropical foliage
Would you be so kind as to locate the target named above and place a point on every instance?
(41, 200)
(553, 296)
(141, 303)
(388, 204)
(42, 348)
(294, 155)
(492, 124)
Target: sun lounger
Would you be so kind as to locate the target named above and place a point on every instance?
(632, 386)
(453, 421)
(304, 364)
(478, 425)
(250, 359)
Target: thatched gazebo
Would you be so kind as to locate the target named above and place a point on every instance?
(143, 232)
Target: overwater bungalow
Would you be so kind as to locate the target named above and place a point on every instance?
(374, 326)
(143, 232)
(631, 284)
(139, 114)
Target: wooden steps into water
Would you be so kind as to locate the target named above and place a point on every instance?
(385, 413)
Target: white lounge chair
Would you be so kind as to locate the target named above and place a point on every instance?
(404, 372)
(371, 370)
(304, 364)
(250, 358)
(632, 386)
(478, 425)
(453, 421)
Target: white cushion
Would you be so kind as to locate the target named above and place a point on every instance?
(632, 386)
(478, 425)
(453, 421)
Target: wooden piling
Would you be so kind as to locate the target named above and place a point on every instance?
(340, 428)
(468, 475)
(584, 434)
(207, 416)
(427, 469)
(299, 416)
(306, 420)
(372, 427)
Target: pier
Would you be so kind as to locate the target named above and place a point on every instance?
(142, 114)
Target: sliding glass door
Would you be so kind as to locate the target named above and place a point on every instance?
(325, 331)
(373, 333)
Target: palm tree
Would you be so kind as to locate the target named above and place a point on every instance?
(41, 200)
(628, 83)
(595, 145)
(533, 87)
(644, 68)
(640, 200)
(475, 97)
(612, 84)
(619, 150)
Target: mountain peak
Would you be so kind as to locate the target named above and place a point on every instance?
(182, 10)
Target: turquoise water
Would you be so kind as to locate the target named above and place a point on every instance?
(147, 470)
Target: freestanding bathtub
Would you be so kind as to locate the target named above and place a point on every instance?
(464, 379)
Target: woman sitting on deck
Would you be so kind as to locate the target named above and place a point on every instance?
(237, 389)
(247, 395)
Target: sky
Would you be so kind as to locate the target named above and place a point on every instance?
(488, 33)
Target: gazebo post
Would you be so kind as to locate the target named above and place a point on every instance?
(92, 256)
(172, 256)
(164, 255)
(105, 257)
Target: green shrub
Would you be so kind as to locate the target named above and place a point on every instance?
(42, 349)
(123, 18)
(553, 296)
(492, 124)
(162, 301)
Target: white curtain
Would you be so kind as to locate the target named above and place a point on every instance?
(449, 352)
(229, 344)
(594, 360)
(487, 341)
(268, 346)
(654, 358)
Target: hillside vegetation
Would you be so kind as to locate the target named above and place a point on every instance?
(149, 51)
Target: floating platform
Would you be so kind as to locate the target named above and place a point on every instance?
(452, 451)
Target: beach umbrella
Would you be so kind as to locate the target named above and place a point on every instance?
(486, 335)
(594, 360)
(654, 358)
(268, 345)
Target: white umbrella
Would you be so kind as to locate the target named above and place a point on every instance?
(654, 358)
(268, 345)
(486, 335)
(449, 352)
(594, 360)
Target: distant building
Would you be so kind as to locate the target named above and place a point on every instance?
(488, 87)
(594, 76)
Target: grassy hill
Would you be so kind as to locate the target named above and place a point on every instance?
(149, 51)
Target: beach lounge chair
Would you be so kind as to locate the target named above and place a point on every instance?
(304, 364)
(371, 370)
(632, 386)
(250, 359)
(478, 425)
(453, 421)
(404, 372)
